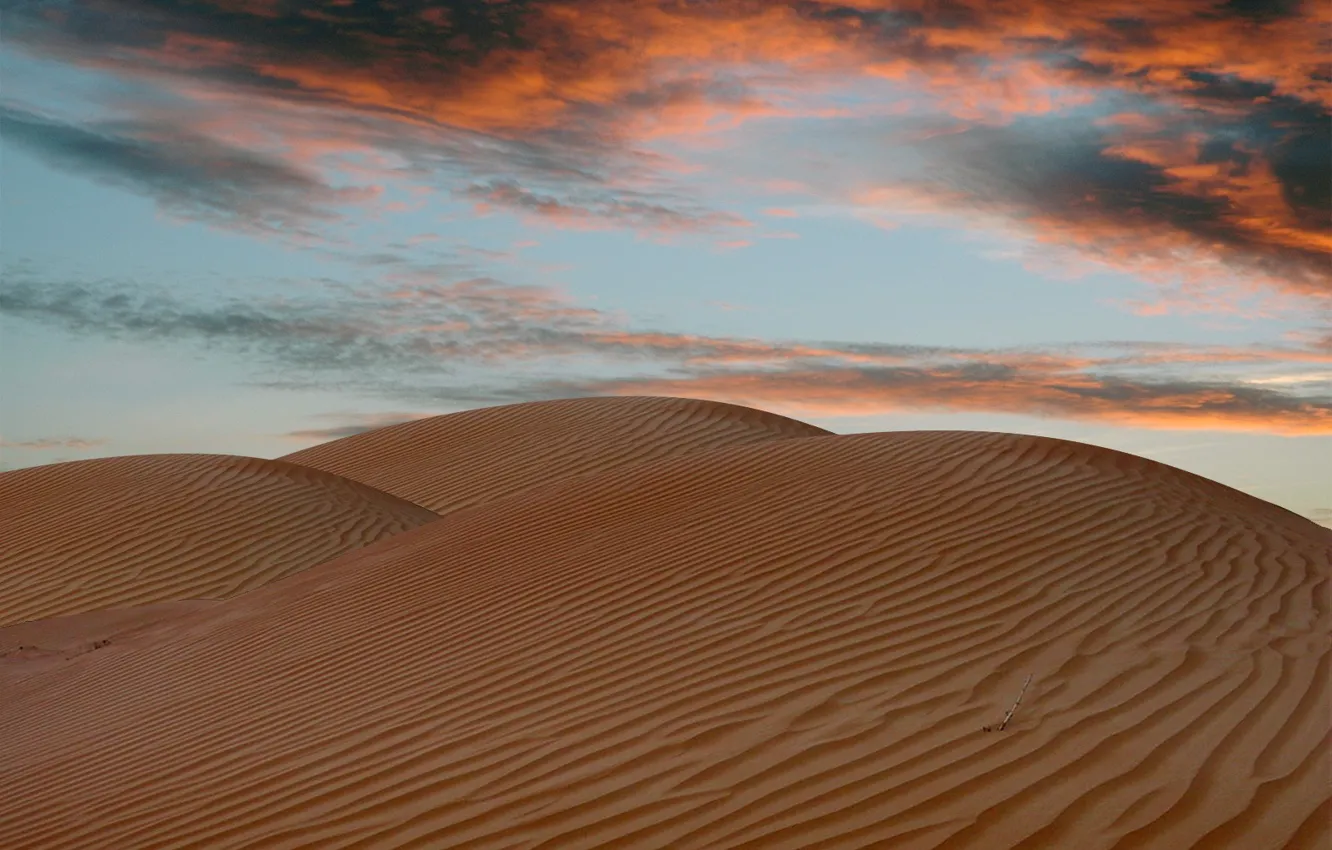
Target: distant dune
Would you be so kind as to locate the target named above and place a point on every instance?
(117, 532)
(740, 638)
(464, 459)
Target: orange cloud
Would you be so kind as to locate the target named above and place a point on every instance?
(552, 60)
(48, 443)
(820, 393)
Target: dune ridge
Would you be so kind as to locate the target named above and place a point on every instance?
(790, 644)
(128, 531)
(460, 460)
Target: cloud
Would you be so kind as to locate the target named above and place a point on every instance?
(988, 388)
(483, 340)
(1201, 210)
(1299, 378)
(621, 209)
(1181, 138)
(48, 443)
(185, 173)
(351, 424)
(340, 330)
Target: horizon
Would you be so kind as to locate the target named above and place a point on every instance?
(250, 226)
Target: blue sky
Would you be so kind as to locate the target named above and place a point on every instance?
(246, 226)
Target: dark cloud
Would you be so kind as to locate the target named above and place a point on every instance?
(1074, 178)
(356, 35)
(307, 336)
(1261, 11)
(1294, 135)
(185, 173)
(1302, 161)
(1055, 170)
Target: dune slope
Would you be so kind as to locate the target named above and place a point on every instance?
(127, 531)
(796, 644)
(464, 459)
(36, 645)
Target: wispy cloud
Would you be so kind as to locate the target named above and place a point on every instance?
(50, 443)
(1322, 516)
(482, 340)
(351, 424)
(583, 212)
(187, 174)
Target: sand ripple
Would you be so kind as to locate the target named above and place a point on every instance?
(464, 459)
(125, 531)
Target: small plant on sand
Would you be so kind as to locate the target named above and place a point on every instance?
(1011, 711)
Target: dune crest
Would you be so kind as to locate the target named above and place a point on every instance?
(460, 460)
(127, 531)
(790, 644)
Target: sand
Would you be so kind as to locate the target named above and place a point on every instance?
(29, 647)
(781, 643)
(127, 531)
(465, 459)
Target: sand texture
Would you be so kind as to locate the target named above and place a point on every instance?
(789, 643)
(128, 531)
(465, 459)
(35, 645)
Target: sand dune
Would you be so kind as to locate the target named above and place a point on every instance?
(127, 531)
(789, 644)
(465, 459)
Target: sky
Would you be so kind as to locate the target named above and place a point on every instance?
(250, 226)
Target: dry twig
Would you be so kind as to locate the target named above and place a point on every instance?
(1013, 710)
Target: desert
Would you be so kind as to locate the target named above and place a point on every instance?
(665, 425)
(659, 623)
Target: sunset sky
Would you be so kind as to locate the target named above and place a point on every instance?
(248, 226)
